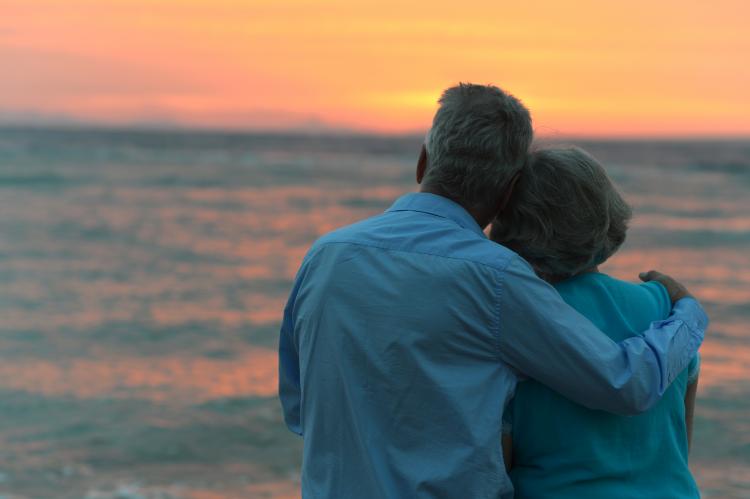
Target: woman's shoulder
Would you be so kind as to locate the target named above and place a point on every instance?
(652, 295)
(649, 300)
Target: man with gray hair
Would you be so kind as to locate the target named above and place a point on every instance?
(405, 334)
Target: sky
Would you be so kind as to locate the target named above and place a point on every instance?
(586, 68)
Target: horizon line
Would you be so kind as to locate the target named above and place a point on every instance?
(333, 132)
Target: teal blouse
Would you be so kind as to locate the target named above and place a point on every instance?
(564, 450)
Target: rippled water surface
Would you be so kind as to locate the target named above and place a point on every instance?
(143, 276)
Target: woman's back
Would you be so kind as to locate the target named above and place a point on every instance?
(561, 449)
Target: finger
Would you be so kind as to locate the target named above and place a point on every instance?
(651, 275)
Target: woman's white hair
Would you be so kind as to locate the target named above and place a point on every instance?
(478, 141)
(565, 215)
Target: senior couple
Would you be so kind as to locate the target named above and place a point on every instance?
(419, 358)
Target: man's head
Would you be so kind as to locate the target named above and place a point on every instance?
(476, 147)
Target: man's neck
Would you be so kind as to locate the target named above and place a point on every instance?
(482, 219)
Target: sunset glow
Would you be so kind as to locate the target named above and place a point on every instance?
(583, 68)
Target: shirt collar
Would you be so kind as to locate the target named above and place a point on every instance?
(437, 205)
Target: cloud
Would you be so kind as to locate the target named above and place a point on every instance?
(157, 118)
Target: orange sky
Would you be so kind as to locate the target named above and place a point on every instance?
(583, 67)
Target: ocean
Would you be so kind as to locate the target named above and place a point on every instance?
(143, 276)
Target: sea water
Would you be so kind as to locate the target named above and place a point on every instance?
(143, 276)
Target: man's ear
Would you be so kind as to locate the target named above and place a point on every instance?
(421, 164)
(505, 198)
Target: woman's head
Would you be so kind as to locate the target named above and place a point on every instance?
(565, 215)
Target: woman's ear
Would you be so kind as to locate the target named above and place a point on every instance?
(421, 164)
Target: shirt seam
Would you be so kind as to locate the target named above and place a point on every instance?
(368, 245)
(498, 312)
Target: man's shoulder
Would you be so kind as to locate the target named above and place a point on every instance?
(354, 233)
(389, 233)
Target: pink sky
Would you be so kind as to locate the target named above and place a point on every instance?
(584, 68)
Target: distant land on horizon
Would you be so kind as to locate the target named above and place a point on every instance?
(82, 126)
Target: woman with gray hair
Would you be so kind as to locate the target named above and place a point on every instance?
(566, 218)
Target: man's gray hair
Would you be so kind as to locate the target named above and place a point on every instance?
(478, 141)
(565, 215)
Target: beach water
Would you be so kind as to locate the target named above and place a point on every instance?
(143, 276)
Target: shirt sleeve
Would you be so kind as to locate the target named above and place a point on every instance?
(661, 295)
(289, 378)
(547, 340)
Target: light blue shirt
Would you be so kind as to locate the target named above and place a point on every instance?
(404, 337)
(562, 450)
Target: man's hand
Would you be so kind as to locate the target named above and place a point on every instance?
(675, 290)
